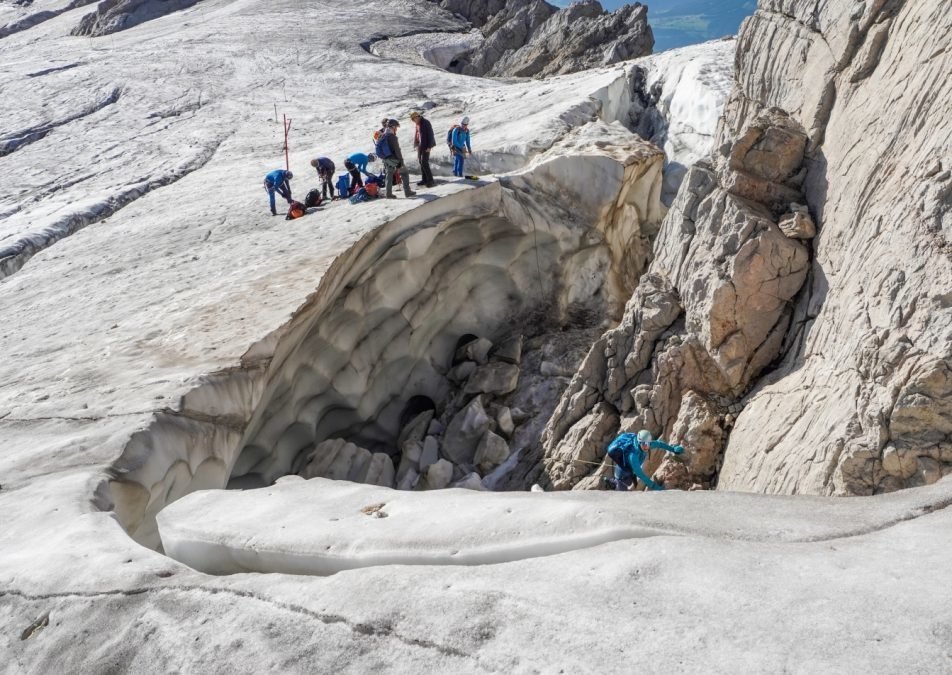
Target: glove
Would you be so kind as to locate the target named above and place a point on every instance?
(658, 486)
(678, 449)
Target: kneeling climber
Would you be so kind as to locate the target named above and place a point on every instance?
(277, 181)
(628, 452)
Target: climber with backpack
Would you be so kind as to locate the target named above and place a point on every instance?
(325, 169)
(458, 140)
(278, 181)
(388, 149)
(357, 164)
(629, 452)
(424, 141)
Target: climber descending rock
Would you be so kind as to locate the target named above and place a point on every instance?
(628, 452)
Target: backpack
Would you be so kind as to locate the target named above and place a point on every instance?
(343, 186)
(296, 210)
(449, 136)
(382, 147)
(360, 196)
(618, 449)
(313, 198)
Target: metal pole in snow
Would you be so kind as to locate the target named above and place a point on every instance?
(287, 128)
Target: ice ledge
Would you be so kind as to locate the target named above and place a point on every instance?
(321, 526)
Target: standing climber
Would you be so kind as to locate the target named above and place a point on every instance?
(325, 169)
(388, 149)
(278, 181)
(460, 146)
(357, 164)
(424, 140)
(629, 452)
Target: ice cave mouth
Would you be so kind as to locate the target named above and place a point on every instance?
(432, 351)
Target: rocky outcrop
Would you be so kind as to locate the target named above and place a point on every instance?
(112, 16)
(832, 136)
(531, 38)
(704, 322)
(862, 403)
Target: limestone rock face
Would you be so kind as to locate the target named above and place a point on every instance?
(798, 224)
(584, 446)
(708, 316)
(531, 38)
(861, 402)
(857, 402)
(701, 428)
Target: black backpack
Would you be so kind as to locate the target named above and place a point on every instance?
(313, 198)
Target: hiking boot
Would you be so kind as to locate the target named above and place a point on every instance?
(409, 194)
(421, 182)
(430, 185)
(391, 196)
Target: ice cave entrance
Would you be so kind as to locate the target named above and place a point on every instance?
(433, 350)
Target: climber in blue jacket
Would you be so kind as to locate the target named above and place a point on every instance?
(460, 146)
(356, 164)
(278, 181)
(629, 452)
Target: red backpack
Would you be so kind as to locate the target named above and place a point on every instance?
(296, 210)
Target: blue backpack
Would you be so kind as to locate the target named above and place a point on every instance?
(382, 147)
(343, 186)
(618, 449)
(360, 196)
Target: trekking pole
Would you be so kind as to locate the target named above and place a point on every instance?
(287, 128)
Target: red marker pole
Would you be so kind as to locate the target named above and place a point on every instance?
(287, 128)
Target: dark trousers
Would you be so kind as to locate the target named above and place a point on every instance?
(355, 178)
(424, 157)
(623, 479)
(327, 187)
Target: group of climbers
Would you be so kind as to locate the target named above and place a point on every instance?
(387, 149)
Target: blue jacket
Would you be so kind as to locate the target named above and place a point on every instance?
(277, 177)
(634, 457)
(461, 139)
(359, 160)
